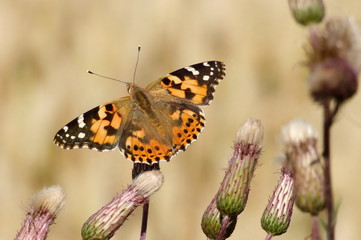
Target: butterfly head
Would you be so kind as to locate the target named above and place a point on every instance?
(130, 88)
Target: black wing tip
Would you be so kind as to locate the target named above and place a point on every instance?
(222, 68)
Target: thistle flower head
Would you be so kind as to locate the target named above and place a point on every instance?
(44, 207)
(233, 192)
(250, 133)
(300, 144)
(49, 199)
(307, 12)
(106, 221)
(296, 133)
(277, 215)
(334, 58)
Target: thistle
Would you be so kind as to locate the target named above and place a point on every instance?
(106, 221)
(307, 12)
(299, 140)
(220, 217)
(234, 189)
(43, 209)
(333, 53)
(277, 215)
(212, 222)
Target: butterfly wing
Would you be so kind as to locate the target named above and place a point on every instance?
(144, 139)
(184, 120)
(98, 129)
(194, 84)
(149, 140)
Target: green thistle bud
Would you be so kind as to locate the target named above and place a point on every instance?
(44, 207)
(300, 140)
(233, 192)
(106, 221)
(307, 12)
(212, 222)
(277, 215)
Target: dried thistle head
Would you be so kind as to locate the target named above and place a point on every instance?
(334, 59)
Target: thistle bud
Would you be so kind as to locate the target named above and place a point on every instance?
(234, 189)
(106, 221)
(307, 12)
(300, 140)
(44, 207)
(277, 215)
(212, 222)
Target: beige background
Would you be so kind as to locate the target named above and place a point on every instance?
(46, 48)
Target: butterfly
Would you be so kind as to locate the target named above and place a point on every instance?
(153, 123)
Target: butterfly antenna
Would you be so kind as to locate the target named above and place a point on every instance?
(136, 64)
(114, 79)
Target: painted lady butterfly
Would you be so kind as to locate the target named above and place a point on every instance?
(153, 123)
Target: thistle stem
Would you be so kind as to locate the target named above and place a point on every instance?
(268, 237)
(315, 234)
(143, 230)
(225, 222)
(328, 115)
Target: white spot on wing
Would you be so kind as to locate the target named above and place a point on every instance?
(206, 64)
(205, 77)
(65, 128)
(81, 135)
(81, 122)
(192, 70)
(81, 118)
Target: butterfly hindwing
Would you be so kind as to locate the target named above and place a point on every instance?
(143, 140)
(185, 120)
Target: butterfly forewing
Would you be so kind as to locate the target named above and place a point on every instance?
(98, 129)
(195, 83)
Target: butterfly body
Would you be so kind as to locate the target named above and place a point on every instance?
(152, 123)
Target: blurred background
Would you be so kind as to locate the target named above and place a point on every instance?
(46, 48)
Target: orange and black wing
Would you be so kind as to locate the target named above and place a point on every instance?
(97, 129)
